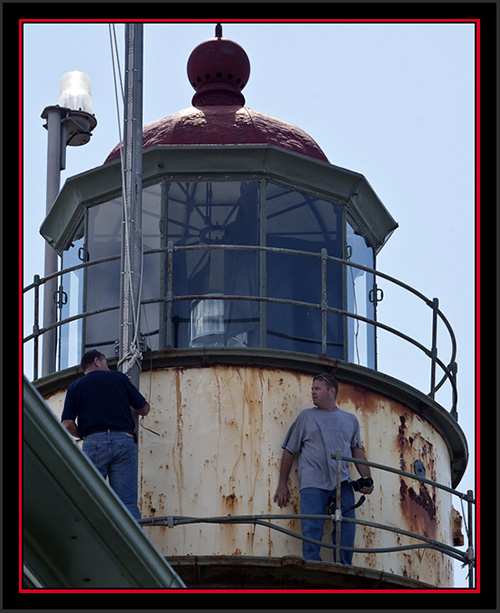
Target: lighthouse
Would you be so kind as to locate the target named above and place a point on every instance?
(258, 271)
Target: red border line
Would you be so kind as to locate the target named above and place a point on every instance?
(475, 21)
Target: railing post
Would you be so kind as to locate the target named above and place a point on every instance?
(170, 291)
(36, 326)
(454, 371)
(263, 264)
(434, 350)
(324, 302)
(338, 505)
(470, 540)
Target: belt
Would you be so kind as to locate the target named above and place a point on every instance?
(109, 431)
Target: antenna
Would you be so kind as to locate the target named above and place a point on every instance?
(131, 262)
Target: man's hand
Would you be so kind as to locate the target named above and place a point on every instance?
(144, 410)
(71, 427)
(363, 470)
(366, 490)
(282, 495)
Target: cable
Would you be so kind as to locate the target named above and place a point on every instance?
(148, 429)
(132, 353)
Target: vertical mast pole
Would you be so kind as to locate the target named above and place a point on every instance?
(54, 167)
(131, 262)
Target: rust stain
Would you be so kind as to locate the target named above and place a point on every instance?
(408, 570)
(230, 499)
(369, 542)
(363, 399)
(401, 442)
(456, 528)
(177, 451)
(419, 508)
(401, 431)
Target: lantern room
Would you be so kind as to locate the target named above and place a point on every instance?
(245, 225)
(249, 239)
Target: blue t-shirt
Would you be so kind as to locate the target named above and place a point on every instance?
(315, 435)
(101, 400)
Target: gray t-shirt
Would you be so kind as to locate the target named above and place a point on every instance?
(315, 435)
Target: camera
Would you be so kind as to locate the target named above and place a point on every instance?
(362, 482)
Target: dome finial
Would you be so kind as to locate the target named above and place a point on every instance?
(218, 69)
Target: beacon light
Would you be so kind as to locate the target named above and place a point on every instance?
(75, 91)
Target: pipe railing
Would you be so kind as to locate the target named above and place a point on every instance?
(467, 558)
(449, 370)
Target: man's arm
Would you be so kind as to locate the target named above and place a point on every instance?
(71, 427)
(358, 453)
(282, 495)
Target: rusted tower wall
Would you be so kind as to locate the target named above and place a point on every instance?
(218, 454)
(221, 429)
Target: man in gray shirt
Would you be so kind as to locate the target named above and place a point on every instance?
(315, 435)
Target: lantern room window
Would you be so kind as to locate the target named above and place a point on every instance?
(199, 218)
(298, 222)
(242, 260)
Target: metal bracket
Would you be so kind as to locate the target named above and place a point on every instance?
(375, 295)
(83, 255)
(60, 297)
(419, 468)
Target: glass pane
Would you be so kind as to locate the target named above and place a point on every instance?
(199, 218)
(361, 335)
(70, 339)
(151, 289)
(104, 236)
(302, 223)
(103, 282)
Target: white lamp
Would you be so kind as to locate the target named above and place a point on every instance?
(75, 91)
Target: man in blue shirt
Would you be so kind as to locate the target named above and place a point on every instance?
(315, 435)
(97, 409)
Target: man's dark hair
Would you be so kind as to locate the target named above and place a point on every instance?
(89, 357)
(329, 379)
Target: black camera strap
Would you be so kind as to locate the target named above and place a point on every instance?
(355, 506)
(358, 504)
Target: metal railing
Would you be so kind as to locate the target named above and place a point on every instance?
(449, 370)
(466, 557)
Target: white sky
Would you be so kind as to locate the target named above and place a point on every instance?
(394, 102)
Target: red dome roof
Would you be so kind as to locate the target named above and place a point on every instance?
(219, 69)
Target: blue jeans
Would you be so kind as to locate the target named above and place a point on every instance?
(314, 501)
(114, 454)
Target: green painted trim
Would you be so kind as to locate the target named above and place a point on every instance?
(223, 162)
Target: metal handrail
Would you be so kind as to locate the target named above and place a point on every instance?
(467, 557)
(264, 520)
(448, 370)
